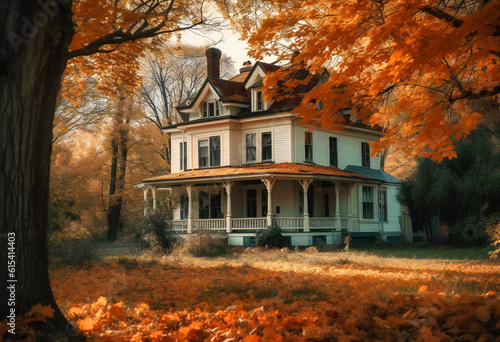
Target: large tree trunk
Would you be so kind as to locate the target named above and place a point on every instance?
(119, 150)
(33, 53)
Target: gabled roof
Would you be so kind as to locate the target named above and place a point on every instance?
(230, 91)
(257, 170)
(226, 91)
(372, 173)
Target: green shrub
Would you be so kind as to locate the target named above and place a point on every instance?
(205, 243)
(76, 252)
(156, 231)
(271, 237)
(473, 230)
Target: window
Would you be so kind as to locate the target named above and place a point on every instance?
(215, 151)
(308, 147)
(267, 153)
(327, 205)
(251, 141)
(211, 109)
(368, 203)
(203, 153)
(259, 104)
(365, 154)
(334, 160)
(184, 206)
(264, 202)
(215, 205)
(257, 101)
(183, 156)
(383, 205)
(209, 205)
(209, 152)
(251, 203)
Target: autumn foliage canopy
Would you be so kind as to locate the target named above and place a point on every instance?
(421, 70)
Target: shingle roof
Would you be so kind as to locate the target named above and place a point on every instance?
(257, 170)
(372, 173)
(230, 91)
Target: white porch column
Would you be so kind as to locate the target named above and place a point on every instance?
(153, 190)
(305, 186)
(145, 201)
(269, 186)
(337, 204)
(189, 190)
(228, 185)
(349, 206)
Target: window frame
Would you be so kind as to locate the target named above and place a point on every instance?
(266, 147)
(209, 210)
(365, 154)
(206, 113)
(210, 161)
(254, 147)
(368, 202)
(308, 147)
(383, 207)
(184, 207)
(334, 155)
(183, 155)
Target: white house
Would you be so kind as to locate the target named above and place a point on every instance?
(240, 163)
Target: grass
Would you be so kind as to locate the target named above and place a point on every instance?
(426, 251)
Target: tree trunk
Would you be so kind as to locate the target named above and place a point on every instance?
(33, 54)
(119, 151)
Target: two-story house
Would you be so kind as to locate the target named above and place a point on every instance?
(240, 163)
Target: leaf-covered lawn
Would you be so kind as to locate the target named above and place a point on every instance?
(282, 296)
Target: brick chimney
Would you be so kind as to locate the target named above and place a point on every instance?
(213, 62)
(247, 66)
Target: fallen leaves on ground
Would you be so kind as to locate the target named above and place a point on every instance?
(220, 301)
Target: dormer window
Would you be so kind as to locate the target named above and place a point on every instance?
(211, 109)
(258, 103)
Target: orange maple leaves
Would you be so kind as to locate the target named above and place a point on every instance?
(415, 68)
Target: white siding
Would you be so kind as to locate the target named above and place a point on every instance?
(176, 139)
(392, 227)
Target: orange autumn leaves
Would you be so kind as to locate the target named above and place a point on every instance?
(168, 302)
(422, 69)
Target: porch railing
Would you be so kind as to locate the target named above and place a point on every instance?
(209, 224)
(261, 223)
(249, 223)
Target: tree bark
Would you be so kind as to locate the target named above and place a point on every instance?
(119, 150)
(33, 53)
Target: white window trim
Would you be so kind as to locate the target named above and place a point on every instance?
(254, 101)
(198, 151)
(204, 107)
(258, 142)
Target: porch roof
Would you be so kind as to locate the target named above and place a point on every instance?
(279, 170)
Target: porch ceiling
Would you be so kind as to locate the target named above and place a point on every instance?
(278, 171)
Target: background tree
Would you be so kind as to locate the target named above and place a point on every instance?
(415, 68)
(463, 192)
(169, 78)
(34, 51)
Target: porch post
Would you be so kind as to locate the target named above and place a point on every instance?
(153, 190)
(337, 204)
(189, 189)
(305, 186)
(269, 186)
(228, 186)
(349, 206)
(145, 201)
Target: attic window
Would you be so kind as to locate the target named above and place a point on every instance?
(258, 100)
(211, 109)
